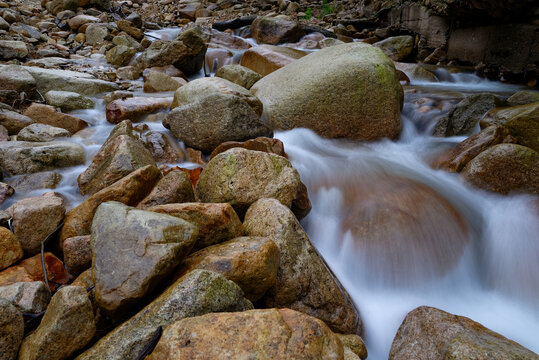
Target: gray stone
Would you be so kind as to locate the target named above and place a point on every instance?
(13, 121)
(523, 97)
(41, 133)
(11, 330)
(120, 55)
(10, 49)
(238, 74)
(16, 78)
(67, 100)
(41, 180)
(96, 34)
(29, 297)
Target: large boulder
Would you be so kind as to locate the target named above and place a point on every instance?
(132, 250)
(304, 281)
(21, 157)
(505, 168)
(67, 326)
(197, 293)
(273, 30)
(364, 100)
(29, 297)
(251, 262)
(11, 330)
(46, 114)
(241, 177)
(10, 248)
(255, 334)
(174, 187)
(265, 59)
(430, 334)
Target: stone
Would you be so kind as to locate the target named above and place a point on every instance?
(128, 73)
(67, 326)
(304, 282)
(120, 55)
(268, 30)
(67, 100)
(464, 117)
(77, 254)
(163, 147)
(397, 48)
(6, 191)
(57, 6)
(31, 269)
(157, 81)
(265, 59)
(96, 34)
(523, 97)
(28, 297)
(118, 157)
(77, 21)
(169, 70)
(238, 74)
(197, 293)
(364, 102)
(216, 222)
(11, 330)
(505, 168)
(35, 218)
(16, 78)
(4, 25)
(41, 180)
(13, 122)
(251, 262)
(329, 42)
(354, 344)
(129, 190)
(416, 72)
(41, 133)
(255, 334)
(174, 187)
(4, 135)
(46, 114)
(241, 177)
(134, 108)
(157, 242)
(115, 95)
(522, 122)
(129, 28)
(430, 333)
(10, 248)
(10, 49)
(269, 145)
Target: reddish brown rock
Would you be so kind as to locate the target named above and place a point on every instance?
(174, 187)
(77, 254)
(46, 114)
(265, 59)
(10, 248)
(14, 122)
(134, 108)
(129, 28)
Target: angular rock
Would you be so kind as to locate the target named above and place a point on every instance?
(11, 330)
(46, 114)
(364, 102)
(41, 133)
(174, 187)
(397, 48)
(270, 30)
(126, 40)
(13, 122)
(241, 177)
(265, 59)
(115, 95)
(197, 293)
(41, 180)
(67, 100)
(67, 326)
(28, 297)
(429, 333)
(134, 108)
(156, 81)
(96, 34)
(255, 334)
(16, 78)
(10, 49)
(215, 222)
(10, 248)
(354, 344)
(120, 55)
(505, 168)
(6, 191)
(304, 282)
(251, 262)
(269, 145)
(523, 97)
(35, 218)
(238, 74)
(128, 27)
(118, 157)
(132, 250)
(77, 254)
(129, 190)
(163, 147)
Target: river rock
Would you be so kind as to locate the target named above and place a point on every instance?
(41, 133)
(96, 34)
(353, 344)
(462, 119)
(77, 254)
(241, 177)
(129, 190)
(57, 6)
(416, 72)
(67, 100)
(523, 97)
(364, 102)
(11, 330)
(304, 281)
(265, 59)
(174, 187)
(238, 74)
(10, 49)
(269, 145)
(77, 21)
(4, 135)
(397, 48)
(6, 191)
(429, 333)
(163, 147)
(36, 217)
(157, 81)
(521, 121)
(255, 334)
(128, 27)
(41, 180)
(158, 244)
(505, 168)
(197, 293)
(271, 30)
(115, 95)
(31, 269)
(126, 40)
(118, 157)
(67, 326)
(16, 78)
(46, 114)
(251, 262)
(215, 222)
(13, 122)
(28, 297)
(120, 55)
(10, 248)
(134, 108)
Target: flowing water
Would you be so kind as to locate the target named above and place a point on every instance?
(475, 254)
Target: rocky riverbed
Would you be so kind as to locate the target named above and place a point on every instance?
(258, 179)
